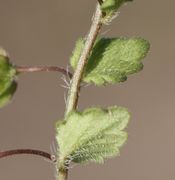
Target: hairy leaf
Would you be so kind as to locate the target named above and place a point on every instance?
(110, 7)
(7, 78)
(112, 59)
(92, 135)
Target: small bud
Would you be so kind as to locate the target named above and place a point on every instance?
(110, 8)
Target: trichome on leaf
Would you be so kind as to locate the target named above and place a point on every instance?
(112, 59)
(95, 133)
(92, 135)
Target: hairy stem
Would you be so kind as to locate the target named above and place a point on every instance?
(27, 69)
(73, 93)
(62, 174)
(77, 77)
(46, 155)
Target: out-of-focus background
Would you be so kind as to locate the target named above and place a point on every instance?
(43, 32)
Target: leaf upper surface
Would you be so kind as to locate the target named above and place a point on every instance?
(112, 59)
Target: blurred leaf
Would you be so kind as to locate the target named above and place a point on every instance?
(7, 78)
(92, 135)
(112, 60)
(7, 95)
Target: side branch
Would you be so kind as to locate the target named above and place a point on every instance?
(24, 69)
(46, 155)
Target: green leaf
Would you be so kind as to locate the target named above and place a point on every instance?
(7, 78)
(112, 59)
(110, 7)
(92, 135)
(7, 95)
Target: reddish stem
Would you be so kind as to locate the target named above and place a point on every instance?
(46, 155)
(24, 69)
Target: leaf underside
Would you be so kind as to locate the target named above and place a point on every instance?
(92, 135)
(112, 59)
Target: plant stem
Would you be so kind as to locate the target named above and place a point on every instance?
(62, 174)
(73, 93)
(77, 77)
(46, 155)
(27, 69)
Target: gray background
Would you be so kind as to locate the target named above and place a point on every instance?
(44, 32)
